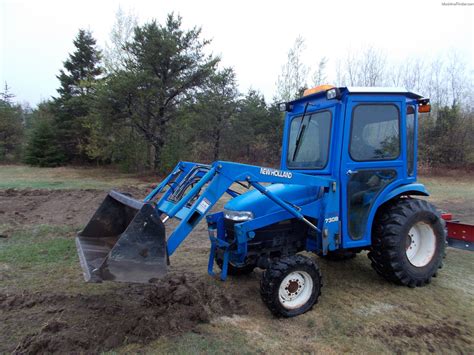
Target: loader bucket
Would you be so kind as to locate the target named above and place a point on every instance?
(124, 241)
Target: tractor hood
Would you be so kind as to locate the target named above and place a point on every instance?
(261, 205)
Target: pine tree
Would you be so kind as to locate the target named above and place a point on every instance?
(215, 108)
(167, 67)
(43, 149)
(76, 92)
(11, 126)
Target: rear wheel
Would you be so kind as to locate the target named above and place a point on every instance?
(409, 241)
(291, 285)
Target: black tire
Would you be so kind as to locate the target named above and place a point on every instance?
(339, 255)
(277, 272)
(391, 240)
(233, 270)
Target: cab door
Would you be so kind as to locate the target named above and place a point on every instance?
(372, 161)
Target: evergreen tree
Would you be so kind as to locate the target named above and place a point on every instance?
(167, 67)
(43, 148)
(257, 130)
(76, 92)
(214, 109)
(11, 126)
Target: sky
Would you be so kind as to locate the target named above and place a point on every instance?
(251, 36)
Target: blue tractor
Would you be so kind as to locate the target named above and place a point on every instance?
(347, 183)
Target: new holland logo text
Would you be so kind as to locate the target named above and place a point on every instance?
(276, 173)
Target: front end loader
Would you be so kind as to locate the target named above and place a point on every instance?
(346, 183)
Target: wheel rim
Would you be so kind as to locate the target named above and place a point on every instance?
(421, 244)
(295, 289)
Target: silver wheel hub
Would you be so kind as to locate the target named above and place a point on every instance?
(295, 289)
(421, 244)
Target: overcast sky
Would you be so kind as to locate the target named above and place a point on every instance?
(250, 35)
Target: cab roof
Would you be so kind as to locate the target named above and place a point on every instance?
(364, 90)
(381, 90)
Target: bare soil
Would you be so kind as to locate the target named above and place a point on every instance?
(428, 336)
(133, 314)
(53, 207)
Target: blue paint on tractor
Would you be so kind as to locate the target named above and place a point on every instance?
(260, 205)
(333, 177)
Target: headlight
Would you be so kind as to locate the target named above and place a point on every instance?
(238, 216)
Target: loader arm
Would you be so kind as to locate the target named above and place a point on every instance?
(216, 179)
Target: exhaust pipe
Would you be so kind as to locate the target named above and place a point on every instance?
(125, 241)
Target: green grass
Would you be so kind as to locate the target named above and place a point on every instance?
(21, 177)
(42, 258)
(448, 187)
(204, 340)
(40, 245)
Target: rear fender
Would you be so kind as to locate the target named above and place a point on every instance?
(410, 189)
(403, 190)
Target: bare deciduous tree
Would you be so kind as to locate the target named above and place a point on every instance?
(293, 73)
(114, 53)
(365, 68)
(320, 75)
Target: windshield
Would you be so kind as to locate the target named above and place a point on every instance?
(309, 141)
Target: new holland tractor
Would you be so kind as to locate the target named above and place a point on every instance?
(347, 183)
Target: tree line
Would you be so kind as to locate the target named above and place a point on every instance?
(154, 95)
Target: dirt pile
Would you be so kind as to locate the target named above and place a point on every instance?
(55, 207)
(431, 336)
(132, 314)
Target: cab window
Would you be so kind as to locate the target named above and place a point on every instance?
(375, 132)
(309, 137)
(410, 122)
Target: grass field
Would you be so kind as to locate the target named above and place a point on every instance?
(357, 312)
(21, 177)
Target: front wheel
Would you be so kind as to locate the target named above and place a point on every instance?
(409, 241)
(291, 286)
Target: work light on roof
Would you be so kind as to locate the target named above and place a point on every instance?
(331, 94)
(316, 89)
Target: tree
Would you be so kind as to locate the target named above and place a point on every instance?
(319, 76)
(78, 81)
(167, 67)
(366, 68)
(113, 139)
(294, 73)
(115, 52)
(11, 126)
(43, 148)
(6, 96)
(256, 131)
(214, 108)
